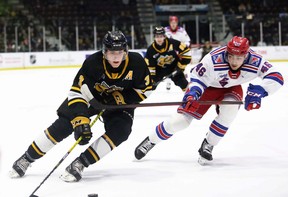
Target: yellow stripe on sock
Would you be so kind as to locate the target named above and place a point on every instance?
(95, 156)
(109, 141)
(39, 152)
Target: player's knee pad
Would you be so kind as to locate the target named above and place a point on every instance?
(60, 129)
(119, 127)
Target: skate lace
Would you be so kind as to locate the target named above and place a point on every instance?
(23, 164)
(146, 147)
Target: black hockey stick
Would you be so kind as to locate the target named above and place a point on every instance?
(174, 73)
(64, 157)
(97, 105)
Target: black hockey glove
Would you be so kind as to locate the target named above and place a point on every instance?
(82, 128)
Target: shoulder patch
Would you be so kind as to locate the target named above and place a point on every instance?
(218, 58)
(252, 64)
(254, 60)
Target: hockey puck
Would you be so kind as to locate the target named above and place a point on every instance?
(92, 195)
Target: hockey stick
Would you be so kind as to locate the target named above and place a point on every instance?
(174, 73)
(97, 105)
(64, 157)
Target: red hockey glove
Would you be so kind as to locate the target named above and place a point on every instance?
(190, 103)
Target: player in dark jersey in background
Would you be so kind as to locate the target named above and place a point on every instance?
(177, 33)
(165, 56)
(112, 76)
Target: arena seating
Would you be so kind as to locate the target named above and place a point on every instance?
(83, 13)
(122, 14)
(251, 13)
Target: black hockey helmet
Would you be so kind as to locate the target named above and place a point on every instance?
(114, 41)
(159, 31)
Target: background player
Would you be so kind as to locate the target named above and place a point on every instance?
(218, 77)
(166, 56)
(178, 33)
(111, 76)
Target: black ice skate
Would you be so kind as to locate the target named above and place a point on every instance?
(205, 152)
(19, 167)
(143, 148)
(73, 172)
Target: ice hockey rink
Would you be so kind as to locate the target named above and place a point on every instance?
(251, 160)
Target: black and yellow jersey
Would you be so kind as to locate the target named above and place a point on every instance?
(126, 84)
(163, 60)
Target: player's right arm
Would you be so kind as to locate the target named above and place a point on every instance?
(200, 75)
(78, 105)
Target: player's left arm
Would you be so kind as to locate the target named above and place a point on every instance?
(184, 55)
(272, 81)
(76, 100)
(78, 105)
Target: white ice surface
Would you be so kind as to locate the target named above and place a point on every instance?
(251, 160)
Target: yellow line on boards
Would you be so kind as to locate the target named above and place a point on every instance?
(278, 60)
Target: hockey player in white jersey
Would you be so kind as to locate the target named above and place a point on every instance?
(178, 33)
(218, 77)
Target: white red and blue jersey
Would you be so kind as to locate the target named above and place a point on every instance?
(214, 71)
(180, 34)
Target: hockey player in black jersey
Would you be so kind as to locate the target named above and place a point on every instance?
(167, 57)
(112, 76)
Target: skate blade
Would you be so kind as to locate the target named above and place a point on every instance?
(13, 174)
(202, 161)
(67, 177)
